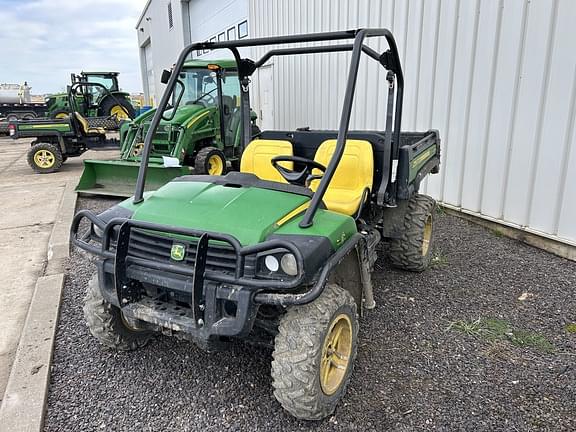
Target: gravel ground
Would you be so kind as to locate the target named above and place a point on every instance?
(425, 360)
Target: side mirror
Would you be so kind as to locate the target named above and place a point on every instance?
(165, 76)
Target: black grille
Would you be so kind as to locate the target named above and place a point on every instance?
(220, 257)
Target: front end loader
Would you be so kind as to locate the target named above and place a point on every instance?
(200, 131)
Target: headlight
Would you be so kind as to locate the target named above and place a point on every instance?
(97, 230)
(271, 263)
(277, 263)
(288, 264)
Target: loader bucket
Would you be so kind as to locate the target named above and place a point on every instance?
(118, 177)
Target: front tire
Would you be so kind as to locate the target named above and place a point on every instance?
(314, 354)
(413, 250)
(45, 158)
(106, 323)
(210, 160)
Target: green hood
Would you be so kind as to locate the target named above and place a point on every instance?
(248, 213)
(183, 114)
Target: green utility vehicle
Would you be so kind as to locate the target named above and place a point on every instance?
(103, 100)
(61, 138)
(280, 253)
(200, 130)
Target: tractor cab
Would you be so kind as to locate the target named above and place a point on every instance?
(108, 79)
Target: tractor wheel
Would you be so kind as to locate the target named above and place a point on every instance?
(210, 160)
(12, 117)
(106, 323)
(314, 354)
(45, 158)
(413, 250)
(60, 114)
(120, 108)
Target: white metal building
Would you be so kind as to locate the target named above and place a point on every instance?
(166, 26)
(497, 78)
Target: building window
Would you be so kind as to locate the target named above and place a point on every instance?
(232, 33)
(221, 37)
(242, 29)
(170, 18)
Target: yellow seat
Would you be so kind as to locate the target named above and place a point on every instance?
(353, 175)
(257, 158)
(86, 127)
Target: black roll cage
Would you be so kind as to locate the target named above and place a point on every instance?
(389, 59)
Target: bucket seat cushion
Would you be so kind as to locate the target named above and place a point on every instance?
(257, 158)
(86, 127)
(353, 176)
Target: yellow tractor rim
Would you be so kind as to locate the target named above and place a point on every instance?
(427, 237)
(215, 165)
(119, 112)
(336, 354)
(44, 159)
(61, 116)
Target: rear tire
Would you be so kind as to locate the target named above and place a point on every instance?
(106, 323)
(119, 107)
(45, 158)
(210, 160)
(413, 250)
(60, 114)
(305, 347)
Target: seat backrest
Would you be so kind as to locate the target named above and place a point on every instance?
(257, 158)
(84, 126)
(352, 177)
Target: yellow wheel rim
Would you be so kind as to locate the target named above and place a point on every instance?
(336, 353)
(119, 112)
(61, 116)
(427, 236)
(215, 165)
(44, 159)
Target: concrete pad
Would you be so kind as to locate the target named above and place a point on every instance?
(34, 235)
(30, 204)
(25, 397)
(23, 253)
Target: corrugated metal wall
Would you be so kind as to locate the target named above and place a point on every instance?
(497, 78)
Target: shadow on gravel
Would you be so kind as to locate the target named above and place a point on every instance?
(416, 369)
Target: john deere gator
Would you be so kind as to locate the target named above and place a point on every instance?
(280, 253)
(199, 130)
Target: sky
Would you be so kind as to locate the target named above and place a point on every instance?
(44, 41)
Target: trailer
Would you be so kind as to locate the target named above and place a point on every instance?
(16, 103)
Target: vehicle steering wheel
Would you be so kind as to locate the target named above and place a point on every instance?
(211, 99)
(300, 178)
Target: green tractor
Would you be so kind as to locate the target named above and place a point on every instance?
(93, 101)
(199, 130)
(278, 254)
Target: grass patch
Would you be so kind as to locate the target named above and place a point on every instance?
(571, 328)
(497, 233)
(438, 260)
(440, 211)
(496, 329)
